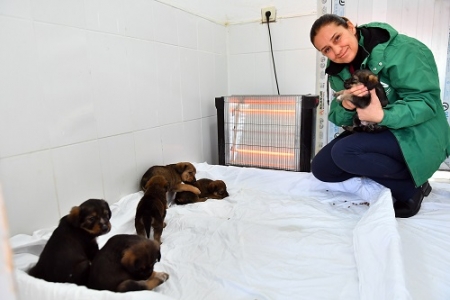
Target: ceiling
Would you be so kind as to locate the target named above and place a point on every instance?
(242, 11)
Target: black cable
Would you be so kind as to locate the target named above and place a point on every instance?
(271, 49)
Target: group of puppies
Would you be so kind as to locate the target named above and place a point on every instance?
(159, 182)
(125, 263)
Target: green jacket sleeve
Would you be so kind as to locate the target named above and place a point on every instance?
(338, 115)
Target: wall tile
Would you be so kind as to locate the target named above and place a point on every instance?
(210, 140)
(241, 74)
(141, 56)
(103, 15)
(137, 19)
(181, 142)
(168, 66)
(248, 38)
(23, 114)
(63, 12)
(65, 78)
(206, 32)
(297, 75)
(264, 77)
(220, 39)
(192, 141)
(111, 83)
(164, 16)
(190, 92)
(220, 75)
(207, 82)
(16, 8)
(78, 174)
(148, 149)
(118, 162)
(187, 29)
(29, 191)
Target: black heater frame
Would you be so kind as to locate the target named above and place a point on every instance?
(309, 104)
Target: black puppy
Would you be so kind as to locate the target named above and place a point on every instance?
(68, 253)
(370, 80)
(126, 264)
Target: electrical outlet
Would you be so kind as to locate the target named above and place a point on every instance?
(273, 14)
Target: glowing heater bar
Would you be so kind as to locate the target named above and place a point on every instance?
(275, 132)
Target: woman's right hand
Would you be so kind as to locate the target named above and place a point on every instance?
(358, 90)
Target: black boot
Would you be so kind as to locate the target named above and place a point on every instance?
(406, 209)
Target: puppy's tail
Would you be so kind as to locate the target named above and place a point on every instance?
(147, 226)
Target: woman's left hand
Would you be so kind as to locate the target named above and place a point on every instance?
(373, 112)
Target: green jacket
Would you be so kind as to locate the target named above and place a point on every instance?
(415, 115)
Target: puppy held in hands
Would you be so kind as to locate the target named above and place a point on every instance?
(176, 175)
(151, 209)
(68, 253)
(126, 264)
(210, 189)
(370, 80)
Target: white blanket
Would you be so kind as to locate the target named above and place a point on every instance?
(280, 235)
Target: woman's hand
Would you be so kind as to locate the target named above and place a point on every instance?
(358, 90)
(372, 113)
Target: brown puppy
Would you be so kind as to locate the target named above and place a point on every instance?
(175, 174)
(68, 253)
(210, 189)
(151, 209)
(371, 81)
(125, 264)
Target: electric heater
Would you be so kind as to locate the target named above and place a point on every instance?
(272, 132)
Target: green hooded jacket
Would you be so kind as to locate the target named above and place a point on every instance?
(415, 115)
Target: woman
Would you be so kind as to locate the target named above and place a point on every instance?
(404, 157)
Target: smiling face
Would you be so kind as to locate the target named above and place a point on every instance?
(336, 42)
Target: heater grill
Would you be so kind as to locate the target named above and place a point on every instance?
(274, 132)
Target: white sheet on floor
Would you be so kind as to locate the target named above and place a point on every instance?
(280, 235)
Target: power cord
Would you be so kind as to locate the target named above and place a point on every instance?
(271, 49)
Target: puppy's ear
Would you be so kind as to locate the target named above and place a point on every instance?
(74, 216)
(128, 259)
(180, 167)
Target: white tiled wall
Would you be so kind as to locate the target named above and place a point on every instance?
(94, 92)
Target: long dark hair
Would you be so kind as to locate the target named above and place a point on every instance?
(325, 20)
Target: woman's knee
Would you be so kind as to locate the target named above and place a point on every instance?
(324, 169)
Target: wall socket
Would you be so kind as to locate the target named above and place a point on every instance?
(273, 14)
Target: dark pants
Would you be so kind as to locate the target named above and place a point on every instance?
(373, 155)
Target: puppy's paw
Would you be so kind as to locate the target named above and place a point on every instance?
(196, 191)
(161, 276)
(156, 279)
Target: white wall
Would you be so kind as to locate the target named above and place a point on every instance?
(250, 64)
(92, 93)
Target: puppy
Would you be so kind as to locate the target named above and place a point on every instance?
(175, 174)
(210, 189)
(371, 81)
(126, 264)
(68, 253)
(151, 209)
